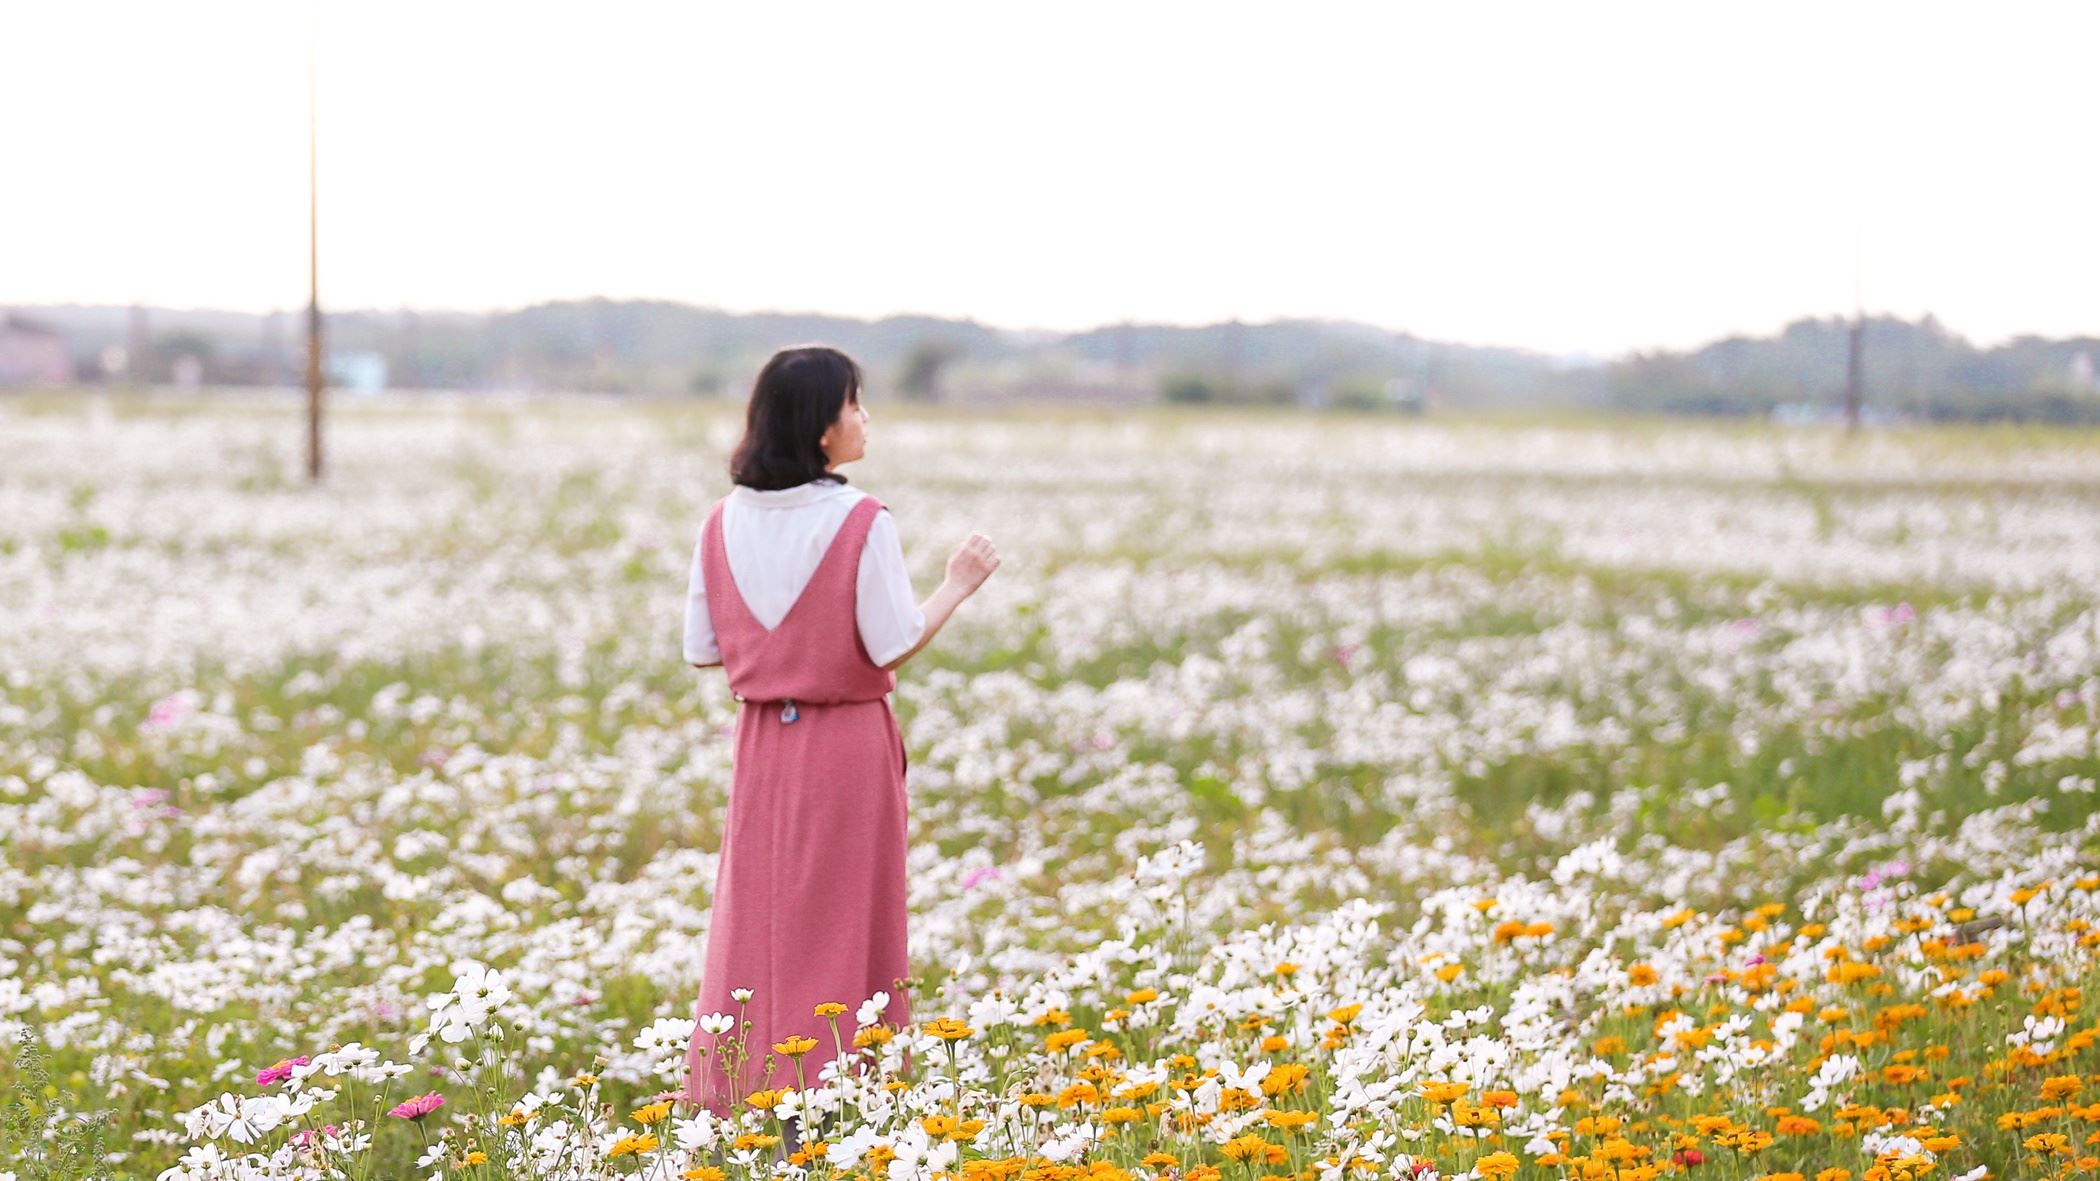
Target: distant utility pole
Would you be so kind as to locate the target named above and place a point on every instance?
(313, 270)
(139, 354)
(1853, 380)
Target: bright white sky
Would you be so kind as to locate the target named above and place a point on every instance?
(1570, 177)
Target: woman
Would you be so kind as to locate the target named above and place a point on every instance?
(799, 591)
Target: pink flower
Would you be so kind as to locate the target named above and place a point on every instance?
(980, 874)
(281, 1071)
(310, 1136)
(1344, 654)
(169, 711)
(1880, 873)
(418, 1107)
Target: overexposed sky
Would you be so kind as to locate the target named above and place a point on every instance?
(1567, 177)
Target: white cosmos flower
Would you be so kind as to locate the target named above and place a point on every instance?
(482, 988)
(717, 1023)
(872, 1009)
(254, 1117)
(694, 1134)
(665, 1033)
(1212, 1089)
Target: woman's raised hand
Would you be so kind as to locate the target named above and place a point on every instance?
(972, 562)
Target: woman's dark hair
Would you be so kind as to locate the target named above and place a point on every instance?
(797, 396)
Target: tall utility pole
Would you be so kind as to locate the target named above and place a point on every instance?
(1853, 380)
(313, 270)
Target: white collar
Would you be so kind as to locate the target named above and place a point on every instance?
(800, 494)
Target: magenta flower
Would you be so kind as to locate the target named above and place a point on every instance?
(272, 1075)
(418, 1107)
(169, 711)
(980, 874)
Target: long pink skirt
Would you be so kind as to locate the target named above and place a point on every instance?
(809, 901)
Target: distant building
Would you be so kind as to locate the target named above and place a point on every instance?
(33, 353)
(357, 372)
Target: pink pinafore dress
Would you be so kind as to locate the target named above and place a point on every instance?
(809, 902)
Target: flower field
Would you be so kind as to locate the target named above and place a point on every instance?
(1306, 797)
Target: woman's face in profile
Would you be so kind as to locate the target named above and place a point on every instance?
(846, 439)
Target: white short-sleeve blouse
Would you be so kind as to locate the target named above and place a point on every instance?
(774, 541)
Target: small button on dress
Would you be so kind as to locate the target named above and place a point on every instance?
(809, 897)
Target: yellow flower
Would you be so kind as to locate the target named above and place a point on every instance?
(1290, 1121)
(1142, 996)
(1246, 1147)
(1441, 1092)
(1286, 968)
(1286, 1076)
(1851, 972)
(652, 1113)
(830, 1009)
(476, 1157)
(796, 1046)
(1798, 1125)
(1642, 974)
(634, 1145)
(948, 1029)
(764, 1100)
(1064, 1039)
(705, 1173)
(1496, 1164)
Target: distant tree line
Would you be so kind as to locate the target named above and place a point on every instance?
(1912, 369)
(1917, 370)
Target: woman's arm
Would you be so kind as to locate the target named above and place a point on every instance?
(701, 648)
(972, 562)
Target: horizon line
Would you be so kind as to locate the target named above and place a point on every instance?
(1549, 354)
